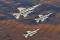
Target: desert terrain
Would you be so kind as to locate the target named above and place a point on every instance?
(11, 30)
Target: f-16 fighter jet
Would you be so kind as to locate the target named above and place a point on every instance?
(24, 11)
(31, 33)
(42, 18)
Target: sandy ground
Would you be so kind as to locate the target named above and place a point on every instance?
(11, 30)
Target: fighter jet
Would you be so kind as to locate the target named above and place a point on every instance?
(42, 18)
(31, 33)
(24, 11)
